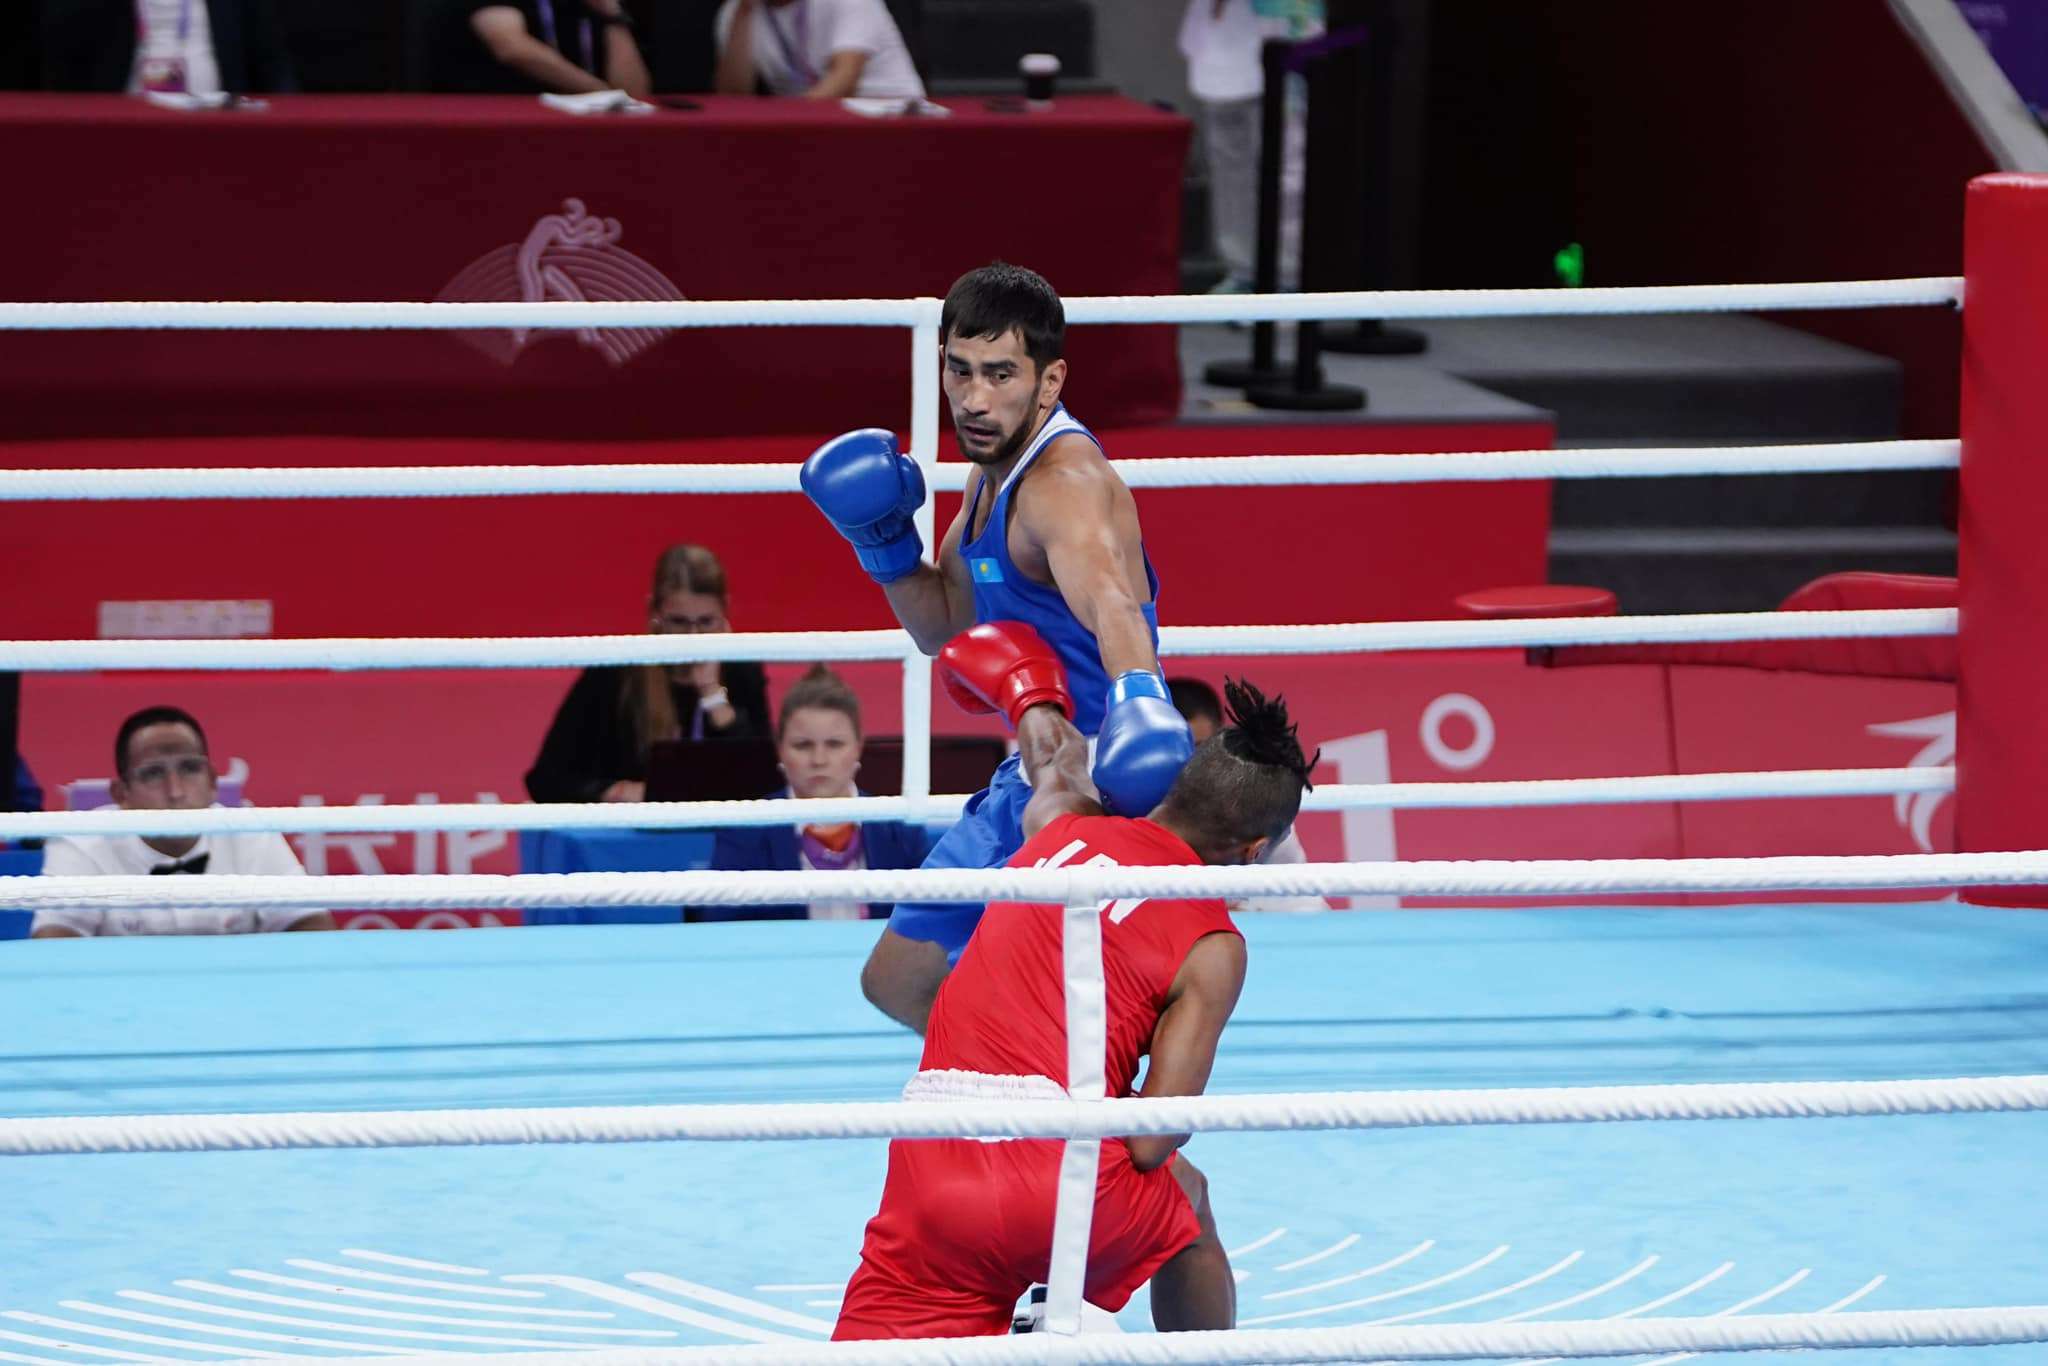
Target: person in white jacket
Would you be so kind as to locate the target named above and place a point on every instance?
(1222, 41)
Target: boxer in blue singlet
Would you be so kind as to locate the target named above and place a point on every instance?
(1047, 536)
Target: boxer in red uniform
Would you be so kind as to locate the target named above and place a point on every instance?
(965, 1226)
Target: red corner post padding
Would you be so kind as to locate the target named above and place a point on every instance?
(1923, 657)
(2001, 723)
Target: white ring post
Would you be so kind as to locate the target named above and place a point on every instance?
(1087, 1005)
(924, 449)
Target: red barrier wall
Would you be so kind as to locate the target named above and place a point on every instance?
(579, 565)
(339, 739)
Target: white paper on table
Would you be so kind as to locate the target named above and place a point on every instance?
(185, 100)
(597, 102)
(885, 109)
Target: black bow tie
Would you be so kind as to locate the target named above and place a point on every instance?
(195, 864)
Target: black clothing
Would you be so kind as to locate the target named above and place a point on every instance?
(90, 45)
(591, 745)
(457, 62)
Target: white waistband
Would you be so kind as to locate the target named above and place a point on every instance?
(952, 1084)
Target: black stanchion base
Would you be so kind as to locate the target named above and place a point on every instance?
(1324, 398)
(1375, 339)
(1242, 374)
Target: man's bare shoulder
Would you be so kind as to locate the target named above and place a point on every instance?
(1071, 466)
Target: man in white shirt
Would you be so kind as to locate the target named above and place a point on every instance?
(818, 49)
(161, 764)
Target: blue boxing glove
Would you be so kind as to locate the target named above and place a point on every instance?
(1143, 744)
(870, 492)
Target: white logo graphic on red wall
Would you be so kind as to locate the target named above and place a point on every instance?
(1914, 811)
(570, 255)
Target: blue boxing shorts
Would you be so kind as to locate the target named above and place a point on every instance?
(989, 831)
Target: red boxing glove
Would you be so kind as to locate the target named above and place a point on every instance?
(1003, 666)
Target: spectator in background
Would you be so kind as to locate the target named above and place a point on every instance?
(161, 764)
(196, 47)
(817, 49)
(596, 750)
(1222, 41)
(1198, 702)
(818, 739)
(526, 47)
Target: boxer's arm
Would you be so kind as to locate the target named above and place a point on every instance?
(1203, 994)
(1055, 760)
(1070, 510)
(936, 602)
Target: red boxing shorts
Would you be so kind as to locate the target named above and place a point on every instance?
(965, 1228)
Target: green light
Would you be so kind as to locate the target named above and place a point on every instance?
(1570, 265)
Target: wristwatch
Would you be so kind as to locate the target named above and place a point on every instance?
(711, 701)
(620, 20)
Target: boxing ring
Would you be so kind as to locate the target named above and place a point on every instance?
(1431, 1134)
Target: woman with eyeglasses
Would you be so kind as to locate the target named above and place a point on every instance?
(596, 750)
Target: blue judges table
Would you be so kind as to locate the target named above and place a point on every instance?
(497, 1249)
(611, 851)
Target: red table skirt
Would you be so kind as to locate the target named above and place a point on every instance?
(419, 197)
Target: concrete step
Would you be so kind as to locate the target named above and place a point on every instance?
(1706, 378)
(1887, 498)
(1690, 569)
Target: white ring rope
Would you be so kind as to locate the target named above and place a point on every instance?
(484, 652)
(553, 652)
(1259, 471)
(1539, 792)
(1930, 291)
(1067, 886)
(308, 316)
(1943, 291)
(1856, 1328)
(1082, 1119)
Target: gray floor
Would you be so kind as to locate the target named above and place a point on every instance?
(1398, 389)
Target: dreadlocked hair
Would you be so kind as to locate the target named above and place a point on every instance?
(1263, 733)
(1243, 783)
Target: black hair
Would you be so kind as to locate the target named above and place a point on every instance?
(1245, 782)
(994, 299)
(1192, 698)
(152, 716)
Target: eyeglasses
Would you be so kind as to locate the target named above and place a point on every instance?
(190, 767)
(671, 624)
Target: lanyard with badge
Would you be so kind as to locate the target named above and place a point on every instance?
(162, 71)
(794, 49)
(588, 61)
